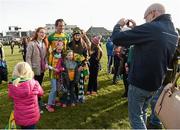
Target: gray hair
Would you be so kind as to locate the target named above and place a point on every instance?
(155, 7)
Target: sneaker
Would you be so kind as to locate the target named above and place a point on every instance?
(108, 71)
(49, 108)
(88, 93)
(73, 104)
(41, 111)
(81, 100)
(114, 80)
(94, 93)
(58, 103)
(63, 105)
(153, 126)
(124, 95)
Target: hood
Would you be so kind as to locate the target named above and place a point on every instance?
(21, 90)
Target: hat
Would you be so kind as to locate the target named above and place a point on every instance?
(76, 30)
(96, 40)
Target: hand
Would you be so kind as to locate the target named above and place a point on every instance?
(80, 68)
(62, 69)
(121, 22)
(46, 66)
(86, 78)
(83, 33)
(56, 70)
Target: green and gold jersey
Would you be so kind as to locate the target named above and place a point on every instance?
(54, 37)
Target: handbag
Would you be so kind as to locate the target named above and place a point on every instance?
(167, 107)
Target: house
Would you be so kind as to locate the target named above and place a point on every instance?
(93, 31)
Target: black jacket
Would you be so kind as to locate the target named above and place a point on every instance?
(154, 46)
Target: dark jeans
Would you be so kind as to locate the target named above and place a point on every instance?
(110, 61)
(92, 84)
(117, 63)
(29, 127)
(126, 84)
(39, 78)
(24, 58)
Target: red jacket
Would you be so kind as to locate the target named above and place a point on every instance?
(25, 97)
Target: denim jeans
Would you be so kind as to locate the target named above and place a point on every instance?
(153, 118)
(52, 94)
(138, 100)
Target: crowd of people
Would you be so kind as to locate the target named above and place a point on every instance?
(69, 62)
(144, 56)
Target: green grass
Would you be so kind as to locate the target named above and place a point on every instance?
(107, 110)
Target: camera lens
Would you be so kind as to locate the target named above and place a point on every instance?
(127, 23)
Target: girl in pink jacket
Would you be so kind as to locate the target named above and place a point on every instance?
(24, 91)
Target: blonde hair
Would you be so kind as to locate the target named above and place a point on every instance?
(22, 70)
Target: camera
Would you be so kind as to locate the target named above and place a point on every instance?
(128, 22)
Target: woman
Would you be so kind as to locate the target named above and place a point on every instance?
(80, 45)
(36, 54)
(24, 46)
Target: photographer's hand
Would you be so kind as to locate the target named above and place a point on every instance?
(121, 22)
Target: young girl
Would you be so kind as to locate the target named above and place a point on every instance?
(70, 80)
(55, 62)
(24, 91)
(95, 56)
(36, 56)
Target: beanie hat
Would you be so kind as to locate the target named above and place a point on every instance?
(96, 40)
(76, 30)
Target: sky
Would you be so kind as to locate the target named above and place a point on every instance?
(30, 14)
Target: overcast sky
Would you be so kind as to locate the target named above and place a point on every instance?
(30, 14)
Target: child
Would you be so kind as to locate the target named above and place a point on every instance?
(24, 91)
(117, 62)
(55, 62)
(95, 56)
(70, 80)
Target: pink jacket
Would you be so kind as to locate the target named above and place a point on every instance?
(25, 97)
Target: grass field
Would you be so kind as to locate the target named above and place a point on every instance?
(107, 110)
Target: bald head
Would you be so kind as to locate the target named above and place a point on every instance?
(157, 7)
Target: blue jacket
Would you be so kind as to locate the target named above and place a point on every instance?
(109, 47)
(154, 47)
